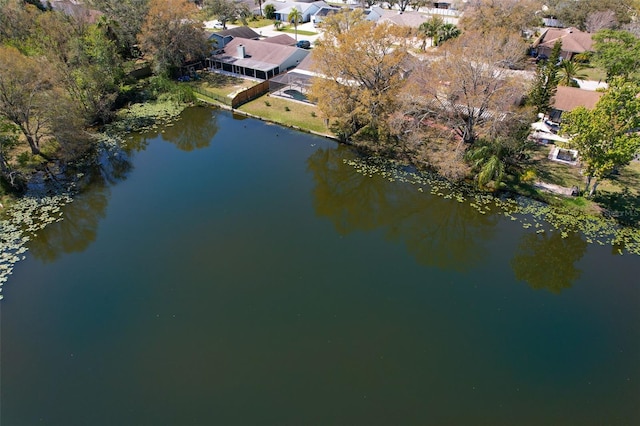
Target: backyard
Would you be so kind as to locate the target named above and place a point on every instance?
(287, 112)
(618, 193)
(221, 85)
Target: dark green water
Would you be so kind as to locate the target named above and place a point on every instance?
(242, 274)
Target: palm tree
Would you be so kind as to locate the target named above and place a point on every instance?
(570, 72)
(447, 32)
(430, 29)
(487, 159)
(295, 17)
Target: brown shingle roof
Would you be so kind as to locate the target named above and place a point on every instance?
(573, 40)
(284, 39)
(258, 54)
(569, 98)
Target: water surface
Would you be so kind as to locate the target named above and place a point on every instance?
(238, 273)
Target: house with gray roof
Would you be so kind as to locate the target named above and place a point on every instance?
(256, 58)
(284, 8)
(322, 13)
(411, 19)
(221, 38)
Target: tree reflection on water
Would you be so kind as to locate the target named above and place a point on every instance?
(196, 129)
(437, 231)
(79, 228)
(547, 260)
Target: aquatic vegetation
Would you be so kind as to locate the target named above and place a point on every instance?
(142, 117)
(26, 217)
(43, 203)
(529, 213)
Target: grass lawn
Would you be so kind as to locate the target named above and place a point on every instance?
(553, 172)
(594, 73)
(222, 85)
(259, 23)
(291, 30)
(299, 115)
(629, 178)
(619, 193)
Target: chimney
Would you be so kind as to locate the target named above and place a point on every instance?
(241, 51)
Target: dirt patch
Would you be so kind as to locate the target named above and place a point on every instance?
(554, 189)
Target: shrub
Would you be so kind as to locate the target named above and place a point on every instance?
(286, 108)
(528, 176)
(23, 158)
(267, 103)
(269, 11)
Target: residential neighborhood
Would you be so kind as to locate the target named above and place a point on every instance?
(354, 212)
(273, 40)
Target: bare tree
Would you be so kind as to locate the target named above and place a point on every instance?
(469, 87)
(601, 20)
(487, 15)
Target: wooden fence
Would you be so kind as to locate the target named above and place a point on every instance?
(250, 94)
(241, 98)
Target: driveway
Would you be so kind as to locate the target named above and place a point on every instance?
(270, 31)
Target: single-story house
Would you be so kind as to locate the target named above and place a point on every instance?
(284, 8)
(405, 19)
(255, 58)
(221, 38)
(411, 19)
(321, 14)
(573, 41)
(569, 98)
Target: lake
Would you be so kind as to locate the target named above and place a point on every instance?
(239, 273)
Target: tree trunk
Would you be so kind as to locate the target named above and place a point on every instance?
(586, 188)
(593, 188)
(15, 179)
(35, 147)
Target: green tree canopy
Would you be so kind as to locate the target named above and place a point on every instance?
(606, 137)
(546, 80)
(228, 10)
(171, 35)
(618, 52)
(123, 21)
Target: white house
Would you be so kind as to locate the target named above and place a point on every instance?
(283, 9)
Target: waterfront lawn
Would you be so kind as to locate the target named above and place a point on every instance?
(273, 108)
(553, 172)
(221, 85)
(621, 193)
